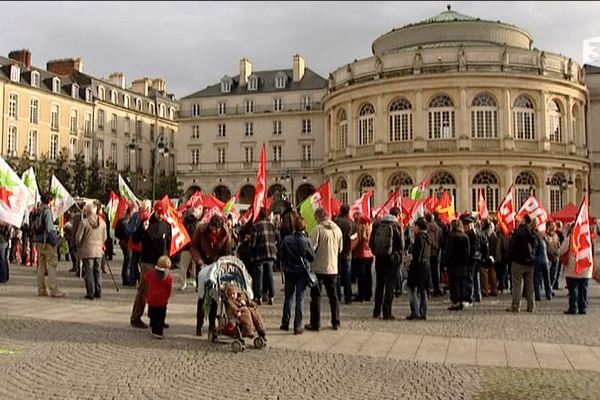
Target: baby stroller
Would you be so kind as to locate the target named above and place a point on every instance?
(227, 271)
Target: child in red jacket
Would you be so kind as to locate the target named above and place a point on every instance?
(160, 285)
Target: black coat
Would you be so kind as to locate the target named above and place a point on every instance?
(455, 256)
(156, 240)
(419, 272)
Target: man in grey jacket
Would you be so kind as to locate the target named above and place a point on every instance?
(90, 241)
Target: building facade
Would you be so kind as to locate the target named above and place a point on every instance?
(224, 127)
(592, 79)
(465, 102)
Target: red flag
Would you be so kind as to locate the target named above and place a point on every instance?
(581, 241)
(210, 212)
(325, 200)
(211, 201)
(429, 204)
(269, 203)
(482, 206)
(193, 202)
(535, 209)
(261, 184)
(395, 200)
(506, 213)
(336, 206)
(362, 204)
(446, 208)
(124, 204)
(179, 235)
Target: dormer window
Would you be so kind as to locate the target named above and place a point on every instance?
(126, 101)
(161, 111)
(35, 79)
(171, 113)
(56, 85)
(74, 90)
(15, 73)
(113, 97)
(101, 93)
(138, 104)
(151, 108)
(280, 80)
(88, 95)
(253, 83)
(226, 84)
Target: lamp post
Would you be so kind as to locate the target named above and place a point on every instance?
(159, 146)
(289, 176)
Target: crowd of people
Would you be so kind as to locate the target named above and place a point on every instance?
(469, 258)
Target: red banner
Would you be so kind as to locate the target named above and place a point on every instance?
(506, 213)
(581, 242)
(261, 184)
(179, 235)
(482, 206)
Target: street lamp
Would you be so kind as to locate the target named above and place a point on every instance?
(161, 146)
(289, 176)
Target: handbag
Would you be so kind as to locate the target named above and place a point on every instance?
(311, 277)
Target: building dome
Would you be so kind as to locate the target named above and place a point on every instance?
(450, 28)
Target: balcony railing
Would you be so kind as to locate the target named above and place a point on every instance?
(258, 109)
(274, 167)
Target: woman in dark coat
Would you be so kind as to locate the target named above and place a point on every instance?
(419, 272)
(455, 258)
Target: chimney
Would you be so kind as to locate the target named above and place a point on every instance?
(141, 86)
(245, 71)
(23, 56)
(160, 85)
(299, 67)
(65, 66)
(118, 78)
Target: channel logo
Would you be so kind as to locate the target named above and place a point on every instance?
(591, 50)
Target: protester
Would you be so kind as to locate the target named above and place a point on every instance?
(296, 254)
(134, 228)
(5, 232)
(521, 252)
(541, 271)
(187, 266)
(436, 235)
(455, 259)
(123, 238)
(419, 272)
(577, 281)
(75, 218)
(362, 260)
(489, 281)
(386, 243)
(160, 286)
(263, 253)
(478, 252)
(500, 253)
(327, 240)
(90, 242)
(556, 274)
(348, 228)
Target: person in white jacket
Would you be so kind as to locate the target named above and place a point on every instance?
(577, 283)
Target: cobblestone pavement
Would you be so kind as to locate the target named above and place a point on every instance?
(57, 356)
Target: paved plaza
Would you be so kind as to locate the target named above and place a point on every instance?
(73, 348)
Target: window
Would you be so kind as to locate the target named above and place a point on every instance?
(524, 127)
(126, 158)
(151, 108)
(88, 95)
(126, 101)
(101, 93)
(13, 105)
(248, 154)
(221, 155)
(306, 103)
(222, 108)
(366, 125)
(249, 106)
(87, 124)
(486, 181)
(306, 152)
(366, 183)
(35, 79)
(127, 127)
(11, 143)
(100, 149)
(221, 130)
(74, 91)
(32, 143)
(162, 110)
(113, 97)
(73, 121)
(253, 83)
(404, 181)
(195, 156)
(87, 151)
(53, 151)
(152, 132)
(554, 122)
(400, 120)
(525, 186)
(226, 86)
(249, 128)
(195, 110)
(138, 127)
(277, 127)
(441, 182)
(558, 185)
(306, 128)
(15, 73)
(113, 123)
(343, 130)
(55, 117)
(441, 117)
(277, 152)
(55, 85)
(195, 132)
(484, 117)
(100, 119)
(138, 104)
(277, 104)
(113, 154)
(72, 148)
(34, 111)
(280, 80)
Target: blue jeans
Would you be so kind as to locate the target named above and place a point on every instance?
(263, 279)
(294, 282)
(541, 275)
(364, 280)
(578, 294)
(345, 279)
(93, 276)
(555, 268)
(418, 309)
(472, 284)
(134, 269)
(3, 262)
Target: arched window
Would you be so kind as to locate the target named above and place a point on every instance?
(101, 93)
(343, 130)
(558, 185)
(400, 120)
(488, 182)
(222, 193)
(524, 186)
(365, 184)
(402, 180)
(441, 182)
(575, 119)
(342, 190)
(554, 122)
(441, 117)
(524, 121)
(484, 117)
(366, 125)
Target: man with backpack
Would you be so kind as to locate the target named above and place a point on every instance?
(387, 243)
(348, 228)
(46, 241)
(521, 252)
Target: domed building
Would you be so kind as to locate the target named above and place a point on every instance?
(466, 102)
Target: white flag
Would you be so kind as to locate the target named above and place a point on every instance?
(62, 199)
(14, 195)
(30, 181)
(126, 192)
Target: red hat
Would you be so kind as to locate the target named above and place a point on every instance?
(160, 208)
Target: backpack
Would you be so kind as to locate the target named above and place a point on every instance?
(37, 224)
(383, 240)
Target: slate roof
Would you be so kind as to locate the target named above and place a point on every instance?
(310, 81)
(591, 69)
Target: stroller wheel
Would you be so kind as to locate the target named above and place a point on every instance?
(237, 346)
(259, 342)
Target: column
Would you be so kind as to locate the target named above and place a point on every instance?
(419, 123)
(380, 121)
(568, 129)
(380, 194)
(463, 193)
(572, 190)
(352, 132)
(350, 178)
(463, 117)
(543, 117)
(504, 110)
(509, 179)
(543, 194)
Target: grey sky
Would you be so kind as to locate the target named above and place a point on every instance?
(194, 44)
